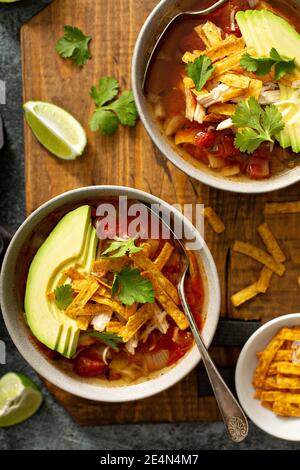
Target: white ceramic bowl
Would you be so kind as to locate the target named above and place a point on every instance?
(152, 28)
(284, 428)
(12, 303)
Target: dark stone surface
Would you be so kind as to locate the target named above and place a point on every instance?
(52, 427)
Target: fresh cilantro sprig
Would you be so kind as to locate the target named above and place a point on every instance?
(255, 124)
(131, 287)
(108, 338)
(63, 296)
(121, 248)
(109, 113)
(75, 45)
(200, 71)
(263, 65)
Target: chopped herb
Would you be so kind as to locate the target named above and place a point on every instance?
(263, 65)
(63, 296)
(75, 45)
(109, 113)
(132, 287)
(121, 248)
(255, 124)
(108, 338)
(200, 71)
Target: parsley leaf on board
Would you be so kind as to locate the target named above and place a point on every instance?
(75, 45)
(263, 65)
(255, 124)
(108, 338)
(63, 296)
(200, 71)
(132, 287)
(106, 91)
(109, 113)
(121, 248)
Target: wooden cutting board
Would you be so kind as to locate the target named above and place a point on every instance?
(129, 158)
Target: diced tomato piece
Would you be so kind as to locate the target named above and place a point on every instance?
(184, 339)
(229, 148)
(175, 355)
(174, 103)
(206, 138)
(191, 42)
(88, 363)
(197, 152)
(258, 168)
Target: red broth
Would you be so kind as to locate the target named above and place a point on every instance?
(166, 95)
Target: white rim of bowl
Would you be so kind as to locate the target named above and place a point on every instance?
(79, 387)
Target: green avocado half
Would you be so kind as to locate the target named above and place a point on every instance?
(72, 242)
(262, 30)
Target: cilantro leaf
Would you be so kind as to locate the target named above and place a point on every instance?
(105, 121)
(122, 248)
(255, 125)
(133, 287)
(109, 113)
(63, 296)
(74, 44)
(115, 285)
(107, 90)
(200, 71)
(263, 65)
(125, 109)
(106, 337)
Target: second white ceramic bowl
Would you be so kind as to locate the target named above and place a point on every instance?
(284, 428)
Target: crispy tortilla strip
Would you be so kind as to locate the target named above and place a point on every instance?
(114, 304)
(281, 397)
(103, 265)
(284, 355)
(114, 327)
(265, 360)
(90, 310)
(264, 280)
(285, 409)
(225, 109)
(188, 82)
(73, 274)
(254, 89)
(286, 368)
(164, 256)
(190, 57)
(267, 404)
(202, 35)
(77, 286)
(214, 220)
(194, 266)
(271, 243)
(146, 264)
(213, 118)
(231, 94)
(244, 295)
(150, 247)
(290, 383)
(270, 383)
(227, 48)
(282, 207)
(130, 309)
(212, 33)
(290, 334)
(235, 80)
(289, 79)
(229, 63)
(81, 299)
(259, 255)
(51, 296)
(83, 322)
(136, 321)
(257, 393)
(167, 303)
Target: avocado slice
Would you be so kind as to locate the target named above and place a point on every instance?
(72, 242)
(262, 30)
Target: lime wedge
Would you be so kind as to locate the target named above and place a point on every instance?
(19, 399)
(56, 129)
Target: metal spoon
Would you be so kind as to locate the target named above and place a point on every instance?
(232, 413)
(179, 15)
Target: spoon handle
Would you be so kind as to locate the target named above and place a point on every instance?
(232, 413)
(207, 10)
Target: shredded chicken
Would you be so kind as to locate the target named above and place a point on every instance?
(226, 124)
(159, 322)
(132, 344)
(214, 96)
(100, 321)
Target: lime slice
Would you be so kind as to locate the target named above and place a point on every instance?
(19, 399)
(56, 129)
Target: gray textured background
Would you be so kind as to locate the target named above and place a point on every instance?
(52, 427)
